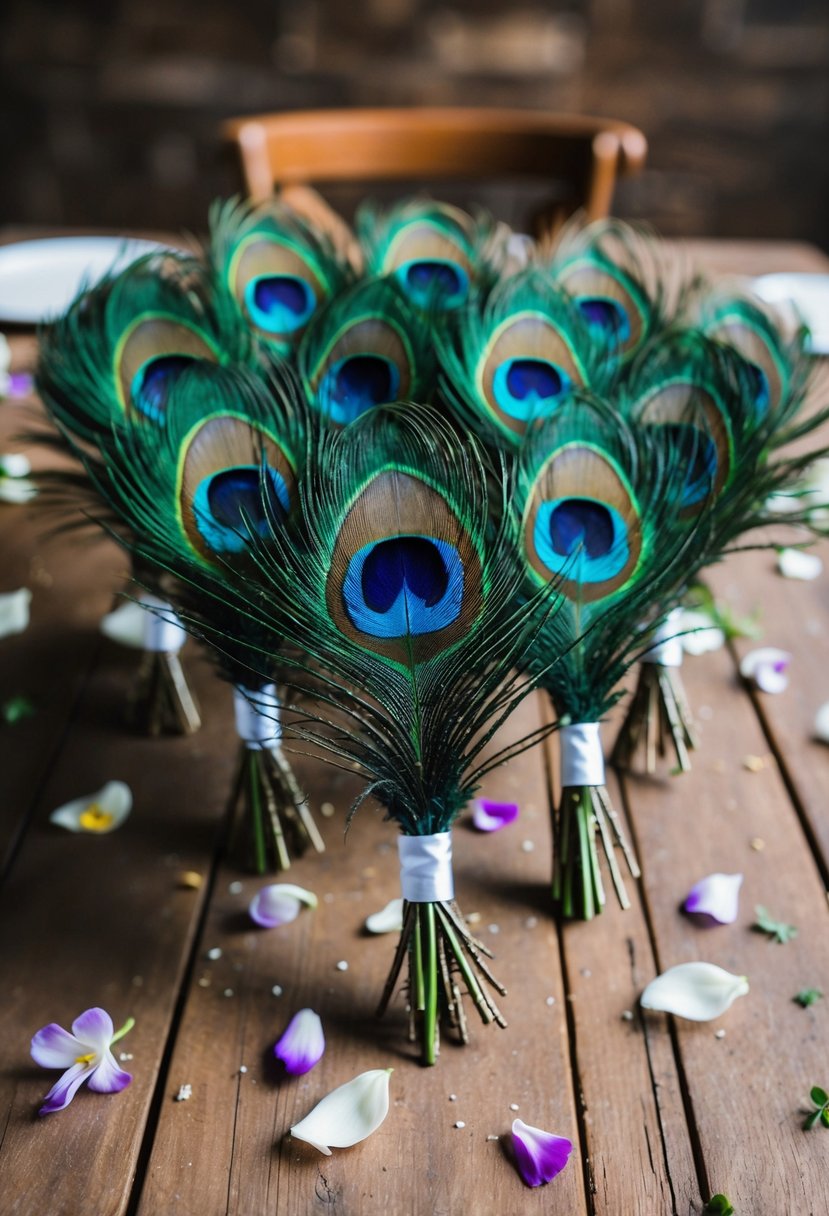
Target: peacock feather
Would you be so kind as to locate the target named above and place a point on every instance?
(277, 267)
(438, 253)
(367, 347)
(516, 357)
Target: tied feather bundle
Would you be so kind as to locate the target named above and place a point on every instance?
(400, 596)
(438, 253)
(277, 267)
(367, 347)
(601, 506)
(110, 362)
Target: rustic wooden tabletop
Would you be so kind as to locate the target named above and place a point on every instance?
(663, 1112)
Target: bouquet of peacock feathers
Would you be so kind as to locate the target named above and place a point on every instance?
(110, 362)
(400, 598)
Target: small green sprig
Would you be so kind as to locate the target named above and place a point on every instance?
(718, 1205)
(820, 1100)
(807, 997)
(778, 930)
(16, 709)
(701, 599)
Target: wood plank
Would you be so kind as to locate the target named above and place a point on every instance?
(229, 1141)
(747, 1090)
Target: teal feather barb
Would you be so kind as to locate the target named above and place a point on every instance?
(276, 266)
(367, 347)
(439, 254)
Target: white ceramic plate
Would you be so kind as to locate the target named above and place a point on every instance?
(807, 295)
(39, 279)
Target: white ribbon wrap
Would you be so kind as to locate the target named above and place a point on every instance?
(163, 632)
(582, 762)
(426, 868)
(667, 646)
(257, 716)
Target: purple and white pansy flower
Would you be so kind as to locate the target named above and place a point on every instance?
(85, 1054)
(539, 1155)
(717, 896)
(489, 816)
(303, 1043)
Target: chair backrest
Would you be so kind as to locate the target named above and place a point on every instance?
(299, 148)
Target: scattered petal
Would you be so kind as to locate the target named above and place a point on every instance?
(794, 563)
(821, 729)
(96, 813)
(767, 667)
(489, 816)
(14, 611)
(15, 486)
(302, 1044)
(697, 991)
(185, 1093)
(389, 920)
(126, 625)
(85, 1054)
(700, 634)
(348, 1114)
(539, 1155)
(14, 464)
(717, 896)
(279, 903)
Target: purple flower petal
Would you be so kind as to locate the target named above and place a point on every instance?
(717, 896)
(108, 1078)
(54, 1047)
(21, 384)
(302, 1044)
(488, 816)
(94, 1028)
(539, 1155)
(279, 903)
(64, 1089)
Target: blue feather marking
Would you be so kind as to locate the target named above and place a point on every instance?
(356, 384)
(591, 532)
(153, 381)
(404, 585)
(434, 283)
(606, 315)
(760, 387)
(229, 504)
(700, 452)
(526, 388)
(280, 303)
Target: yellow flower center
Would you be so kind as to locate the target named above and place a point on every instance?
(85, 1059)
(94, 819)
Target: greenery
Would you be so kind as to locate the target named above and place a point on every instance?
(778, 930)
(808, 996)
(718, 1205)
(820, 1100)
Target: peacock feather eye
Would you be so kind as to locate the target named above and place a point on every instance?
(234, 480)
(747, 330)
(526, 370)
(279, 284)
(405, 579)
(609, 300)
(433, 263)
(700, 433)
(151, 356)
(582, 525)
(369, 361)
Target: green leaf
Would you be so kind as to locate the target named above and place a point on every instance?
(16, 709)
(811, 1120)
(819, 1096)
(718, 1205)
(778, 930)
(824, 1117)
(808, 996)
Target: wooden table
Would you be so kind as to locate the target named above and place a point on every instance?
(663, 1112)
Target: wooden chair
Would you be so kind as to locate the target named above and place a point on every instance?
(583, 156)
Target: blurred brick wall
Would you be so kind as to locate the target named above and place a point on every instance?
(110, 107)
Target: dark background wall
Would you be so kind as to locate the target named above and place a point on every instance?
(110, 107)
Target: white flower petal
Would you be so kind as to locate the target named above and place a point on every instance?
(5, 354)
(389, 920)
(96, 813)
(697, 991)
(794, 563)
(126, 624)
(821, 729)
(17, 490)
(783, 504)
(767, 667)
(704, 635)
(348, 1114)
(279, 903)
(14, 611)
(15, 464)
